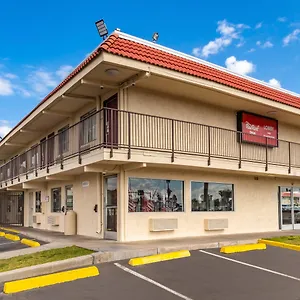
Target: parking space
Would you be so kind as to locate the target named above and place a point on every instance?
(9, 245)
(270, 274)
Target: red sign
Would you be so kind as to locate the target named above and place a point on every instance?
(258, 129)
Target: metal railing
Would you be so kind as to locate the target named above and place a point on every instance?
(118, 129)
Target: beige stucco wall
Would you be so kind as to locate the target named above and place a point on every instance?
(164, 105)
(255, 203)
(84, 197)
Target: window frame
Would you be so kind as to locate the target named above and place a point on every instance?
(64, 139)
(88, 132)
(52, 198)
(158, 211)
(40, 205)
(213, 211)
(66, 196)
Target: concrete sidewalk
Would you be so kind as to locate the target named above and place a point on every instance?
(111, 248)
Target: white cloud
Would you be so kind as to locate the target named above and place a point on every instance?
(213, 47)
(267, 44)
(291, 37)
(64, 71)
(10, 76)
(282, 19)
(228, 32)
(264, 45)
(6, 88)
(240, 44)
(5, 128)
(251, 50)
(197, 51)
(258, 25)
(274, 82)
(242, 67)
(40, 81)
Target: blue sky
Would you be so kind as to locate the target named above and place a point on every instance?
(41, 41)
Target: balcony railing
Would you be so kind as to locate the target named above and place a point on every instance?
(116, 129)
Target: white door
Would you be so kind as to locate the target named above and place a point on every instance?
(30, 223)
(110, 207)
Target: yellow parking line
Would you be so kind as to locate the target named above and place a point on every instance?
(51, 279)
(9, 229)
(2, 233)
(12, 237)
(159, 257)
(243, 248)
(280, 245)
(30, 243)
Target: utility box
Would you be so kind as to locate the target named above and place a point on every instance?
(70, 223)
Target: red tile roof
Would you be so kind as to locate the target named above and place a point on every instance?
(117, 45)
(137, 51)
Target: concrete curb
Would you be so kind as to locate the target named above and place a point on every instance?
(103, 257)
(280, 245)
(47, 268)
(48, 280)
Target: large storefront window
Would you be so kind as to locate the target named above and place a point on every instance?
(210, 196)
(154, 195)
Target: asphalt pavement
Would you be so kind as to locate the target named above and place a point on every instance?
(270, 274)
(8, 245)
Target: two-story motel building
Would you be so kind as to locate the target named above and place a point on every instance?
(144, 142)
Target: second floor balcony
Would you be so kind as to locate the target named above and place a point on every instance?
(130, 132)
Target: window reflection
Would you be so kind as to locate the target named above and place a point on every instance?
(155, 195)
(210, 196)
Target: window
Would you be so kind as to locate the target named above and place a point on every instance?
(56, 200)
(33, 156)
(210, 196)
(88, 127)
(69, 197)
(38, 203)
(154, 195)
(63, 139)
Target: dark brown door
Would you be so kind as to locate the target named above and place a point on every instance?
(111, 120)
(43, 150)
(50, 149)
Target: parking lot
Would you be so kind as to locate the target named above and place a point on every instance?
(270, 274)
(8, 245)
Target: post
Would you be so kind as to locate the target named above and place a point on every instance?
(111, 133)
(266, 154)
(173, 142)
(240, 150)
(80, 137)
(36, 160)
(209, 150)
(289, 157)
(129, 134)
(60, 145)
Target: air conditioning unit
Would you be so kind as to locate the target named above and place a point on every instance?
(53, 220)
(37, 219)
(156, 225)
(215, 224)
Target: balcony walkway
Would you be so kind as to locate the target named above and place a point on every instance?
(113, 250)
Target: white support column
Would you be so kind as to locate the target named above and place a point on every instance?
(122, 207)
(100, 230)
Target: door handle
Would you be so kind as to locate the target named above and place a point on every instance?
(96, 208)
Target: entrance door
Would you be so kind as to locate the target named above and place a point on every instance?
(111, 209)
(30, 221)
(290, 208)
(111, 120)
